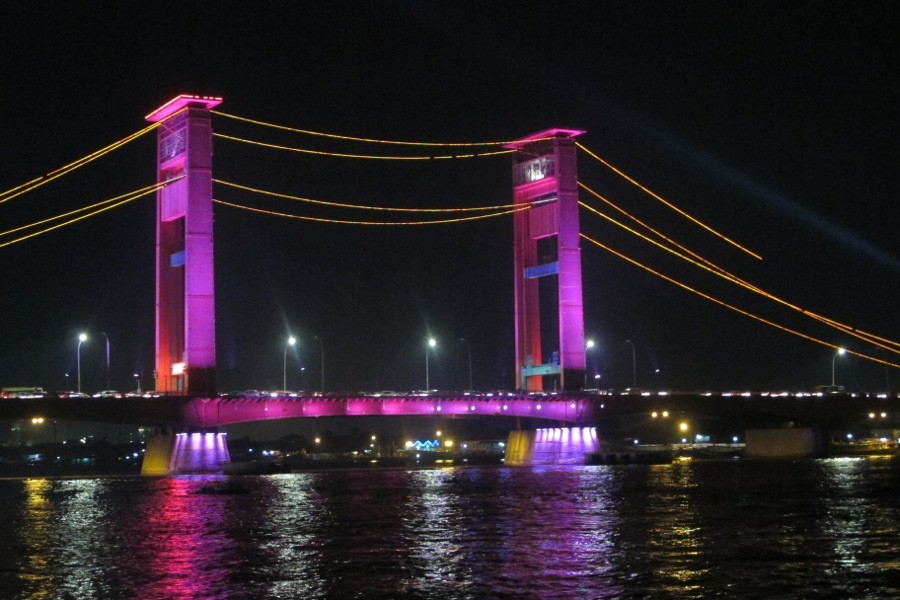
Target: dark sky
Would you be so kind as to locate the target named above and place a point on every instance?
(774, 122)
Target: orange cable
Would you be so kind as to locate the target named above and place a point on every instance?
(734, 308)
(667, 203)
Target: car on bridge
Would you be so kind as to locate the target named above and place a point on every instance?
(244, 394)
(831, 389)
(22, 392)
(108, 394)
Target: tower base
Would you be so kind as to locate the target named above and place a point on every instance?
(551, 446)
(185, 453)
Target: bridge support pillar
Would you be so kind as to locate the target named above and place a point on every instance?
(185, 294)
(795, 442)
(549, 309)
(551, 446)
(185, 453)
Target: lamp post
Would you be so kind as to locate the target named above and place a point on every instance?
(840, 351)
(290, 342)
(587, 346)
(431, 344)
(137, 378)
(82, 337)
(685, 428)
(322, 367)
(107, 359)
(633, 364)
(67, 381)
(469, 348)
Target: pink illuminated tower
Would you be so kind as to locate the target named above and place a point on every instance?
(549, 343)
(185, 302)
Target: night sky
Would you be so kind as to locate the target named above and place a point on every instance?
(775, 123)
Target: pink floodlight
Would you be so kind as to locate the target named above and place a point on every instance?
(547, 133)
(178, 102)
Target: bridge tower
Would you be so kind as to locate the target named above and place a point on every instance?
(549, 343)
(185, 301)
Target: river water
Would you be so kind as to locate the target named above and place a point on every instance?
(693, 529)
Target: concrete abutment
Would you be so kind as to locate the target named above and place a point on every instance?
(185, 453)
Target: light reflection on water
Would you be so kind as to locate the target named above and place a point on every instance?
(823, 528)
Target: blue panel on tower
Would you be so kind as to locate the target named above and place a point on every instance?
(542, 270)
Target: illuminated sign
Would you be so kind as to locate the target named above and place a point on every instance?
(533, 170)
(427, 445)
(178, 368)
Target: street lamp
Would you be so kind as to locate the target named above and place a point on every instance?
(137, 378)
(469, 348)
(684, 427)
(82, 337)
(587, 346)
(840, 351)
(107, 359)
(290, 342)
(322, 368)
(431, 344)
(633, 364)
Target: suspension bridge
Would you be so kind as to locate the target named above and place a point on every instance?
(548, 201)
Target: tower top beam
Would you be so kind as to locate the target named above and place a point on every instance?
(181, 101)
(547, 133)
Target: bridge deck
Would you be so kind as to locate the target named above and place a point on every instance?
(204, 411)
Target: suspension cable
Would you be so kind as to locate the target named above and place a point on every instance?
(362, 139)
(126, 198)
(868, 337)
(642, 224)
(368, 156)
(365, 207)
(734, 308)
(730, 277)
(39, 181)
(667, 203)
(152, 187)
(379, 223)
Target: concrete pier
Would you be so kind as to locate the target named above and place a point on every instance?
(780, 443)
(185, 453)
(551, 446)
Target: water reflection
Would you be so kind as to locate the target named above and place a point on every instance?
(675, 537)
(855, 526)
(186, 532)
(293, 517)
(37, 540)
(436, 551)
(686, 530)
(68, 510)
